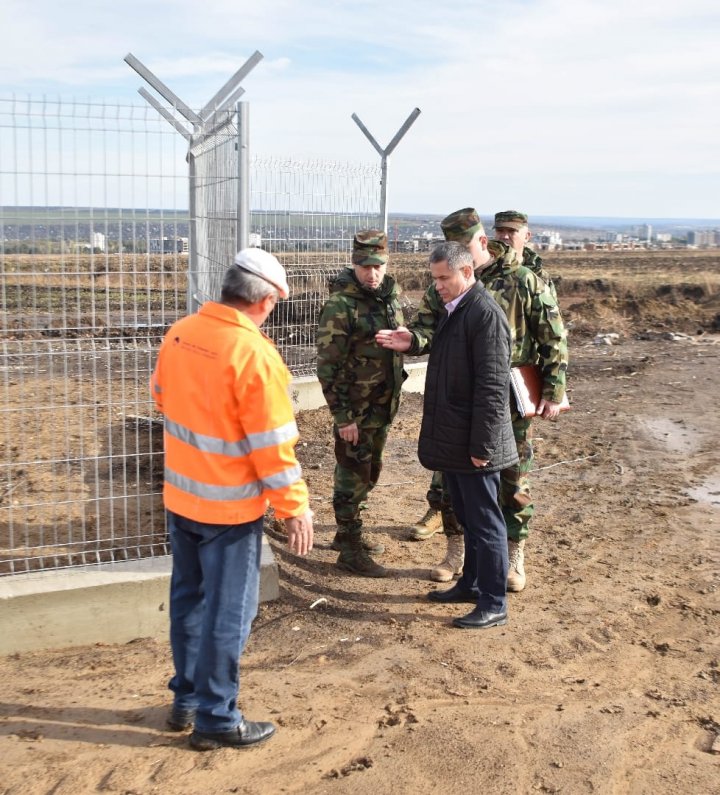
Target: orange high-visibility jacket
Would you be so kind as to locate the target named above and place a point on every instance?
(230, 431)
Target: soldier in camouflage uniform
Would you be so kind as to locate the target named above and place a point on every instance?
(538, 336)
(511, 228)
(361, 382)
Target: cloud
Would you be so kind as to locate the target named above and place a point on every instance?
(520, 90)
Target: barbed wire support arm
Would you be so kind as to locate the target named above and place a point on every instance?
(197, 129)
(384, 155)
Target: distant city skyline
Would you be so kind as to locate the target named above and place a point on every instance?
(31, 228)
(59, 213)
(599, 107)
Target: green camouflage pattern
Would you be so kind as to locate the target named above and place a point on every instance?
(357, 471)
(370, 248)
(437, 493)
(360, 379)
(536, 326)
(515, 500)
(462, 225)
(438, 497)
(534, 262)
(361, 382)
(511, 218)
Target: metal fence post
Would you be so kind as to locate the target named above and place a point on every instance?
(193, 304)
(383, 191)
(243, 147)
(384, 154)
(206, 125)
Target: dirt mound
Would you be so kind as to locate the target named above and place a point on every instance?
(623, 292)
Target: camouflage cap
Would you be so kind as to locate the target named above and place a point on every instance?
(511, 219)
(462, 225)
(370, 248)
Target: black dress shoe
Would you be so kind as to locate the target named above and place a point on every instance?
(481, 619)
(180, 719)
(458, 593)
(248, 733)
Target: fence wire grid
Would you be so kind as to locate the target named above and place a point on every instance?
(95, 244)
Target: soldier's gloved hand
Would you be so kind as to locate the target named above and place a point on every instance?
(548, 410)
(349, 433)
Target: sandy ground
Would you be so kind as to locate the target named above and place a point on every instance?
(605, 680)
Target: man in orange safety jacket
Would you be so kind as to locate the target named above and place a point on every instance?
(230, 438)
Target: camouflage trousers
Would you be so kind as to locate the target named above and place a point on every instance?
(357, 470)
(438, 497)
(515, 499)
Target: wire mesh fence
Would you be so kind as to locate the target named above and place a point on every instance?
(310, 210)
(214, 210)
(304, 212)
(90, 277)
(94, 250)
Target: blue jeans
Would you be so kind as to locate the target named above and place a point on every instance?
(475, 500)
(214, 593)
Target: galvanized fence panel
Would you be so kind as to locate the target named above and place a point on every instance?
(214, 208)
(91, 276)
(293, 323)
(304, 212)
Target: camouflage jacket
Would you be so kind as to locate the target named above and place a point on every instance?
(361, 380)
(538, 333)
(534, 262)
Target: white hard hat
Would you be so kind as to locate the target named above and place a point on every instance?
(264, 265)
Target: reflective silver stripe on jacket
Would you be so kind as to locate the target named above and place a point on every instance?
(157, 388)
(274, 437)
(247, 491)
(285, 478)
(217, 446)
(214, 493)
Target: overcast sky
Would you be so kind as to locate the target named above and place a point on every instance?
(557, 107)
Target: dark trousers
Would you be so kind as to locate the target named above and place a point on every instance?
(475, 499)
(214, 593)
(515, 500)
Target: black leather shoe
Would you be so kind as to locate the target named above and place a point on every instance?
(180, 719)
(458, 593)
(481, 619)
(248, 733)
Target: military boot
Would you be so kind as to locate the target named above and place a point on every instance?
(354, 558)
(375, 547)
(516, 568)
(452, 563)
(427, 526)
(450, 524)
